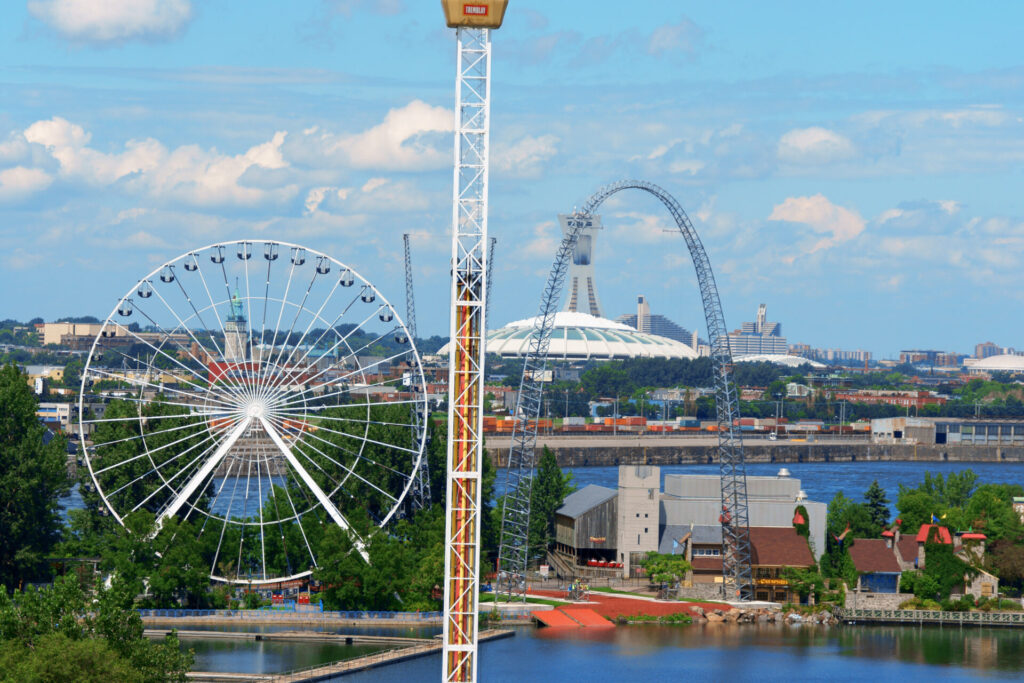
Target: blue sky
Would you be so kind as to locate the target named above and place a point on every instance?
(854, 167)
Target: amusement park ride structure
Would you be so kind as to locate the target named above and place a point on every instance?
(513, 553)
(261, 428)
(473, 22)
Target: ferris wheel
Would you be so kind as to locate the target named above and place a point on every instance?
(257, 393)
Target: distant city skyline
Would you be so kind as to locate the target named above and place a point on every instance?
(866, 195)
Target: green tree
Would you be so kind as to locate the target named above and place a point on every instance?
(95, 640)
(33, 476)
(550, 487)
(666, 568)
(877, 504)
(916, 507)
(990, 511)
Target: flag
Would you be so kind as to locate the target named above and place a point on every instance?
(935, 520)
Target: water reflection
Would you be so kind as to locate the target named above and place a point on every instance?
(247, 656)
(648, 653)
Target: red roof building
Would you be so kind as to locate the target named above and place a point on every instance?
(943, 536)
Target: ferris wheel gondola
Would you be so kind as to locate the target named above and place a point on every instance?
(256, 402)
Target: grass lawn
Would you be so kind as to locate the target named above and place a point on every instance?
(489, 597)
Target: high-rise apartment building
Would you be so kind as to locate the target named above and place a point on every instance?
(758, 337)
(644, 321)
(987, 350)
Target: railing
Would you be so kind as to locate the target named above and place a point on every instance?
(932, 616)
(257, 614)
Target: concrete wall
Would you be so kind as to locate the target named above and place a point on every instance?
(600, 455)
(639, 489)
(855, 600)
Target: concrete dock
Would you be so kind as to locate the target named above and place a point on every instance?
(403, 649)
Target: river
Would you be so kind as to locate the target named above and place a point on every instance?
(718, 652)
(822, 481)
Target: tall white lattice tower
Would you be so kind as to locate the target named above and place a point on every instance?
(473, 21)
(582, 285)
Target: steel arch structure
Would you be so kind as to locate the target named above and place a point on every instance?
(514, 549)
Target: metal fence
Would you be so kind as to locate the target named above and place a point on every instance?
(912, 616)
(258, 614)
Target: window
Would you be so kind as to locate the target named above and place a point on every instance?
(645, 528)
(645, 515)
(638, 515)
(707, 552)
(638, 539)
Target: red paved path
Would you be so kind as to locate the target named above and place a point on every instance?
(613, 605)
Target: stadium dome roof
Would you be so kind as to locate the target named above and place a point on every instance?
(580, 336)
(779, 359)
(1006, 362)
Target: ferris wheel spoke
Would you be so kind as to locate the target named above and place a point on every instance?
(281, 521)
(220, 489)
(291, 416)
(296, 397)
(243, 390)
(343, 339)
(298, 520)
(349, 406)
(301, 405)
(329, 328)
(350, 470)
(227, 517)
(200, 387)
(160, 388)
(366, 439)
(161, 352)
(208, 467)
(277, 325)
(147, 418)
(156, 468)
(311, 484)
(135, 437)
(188, 331)
(147, 454)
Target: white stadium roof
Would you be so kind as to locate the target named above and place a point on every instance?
(579, 336)
(778, 358)
(1005, 362)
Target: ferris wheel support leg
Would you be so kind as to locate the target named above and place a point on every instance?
(318, 492)
(204, 471)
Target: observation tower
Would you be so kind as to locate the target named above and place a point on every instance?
(236, 332)
(473, 21)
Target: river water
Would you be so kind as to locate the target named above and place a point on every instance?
(822, 481)
(718, 652)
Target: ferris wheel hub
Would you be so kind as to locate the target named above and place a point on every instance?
(256, 409)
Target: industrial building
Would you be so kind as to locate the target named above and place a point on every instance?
(600, 531)
(948, 430)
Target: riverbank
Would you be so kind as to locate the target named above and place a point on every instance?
(605, 451)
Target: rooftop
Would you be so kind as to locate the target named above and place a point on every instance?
(587, 498)
(873, 555)
(779, 547)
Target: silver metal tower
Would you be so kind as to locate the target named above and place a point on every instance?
(473, 21)
(420, 497)
(515, 520)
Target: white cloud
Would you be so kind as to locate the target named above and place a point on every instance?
(839, 224)
(814, 146)
(408, 139)
(683, 37)
(19, 182)
(112, 21)
(187, 173)
(525, 157)
(688, 166)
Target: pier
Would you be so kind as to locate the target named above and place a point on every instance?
(404, 649)
(921, 617)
